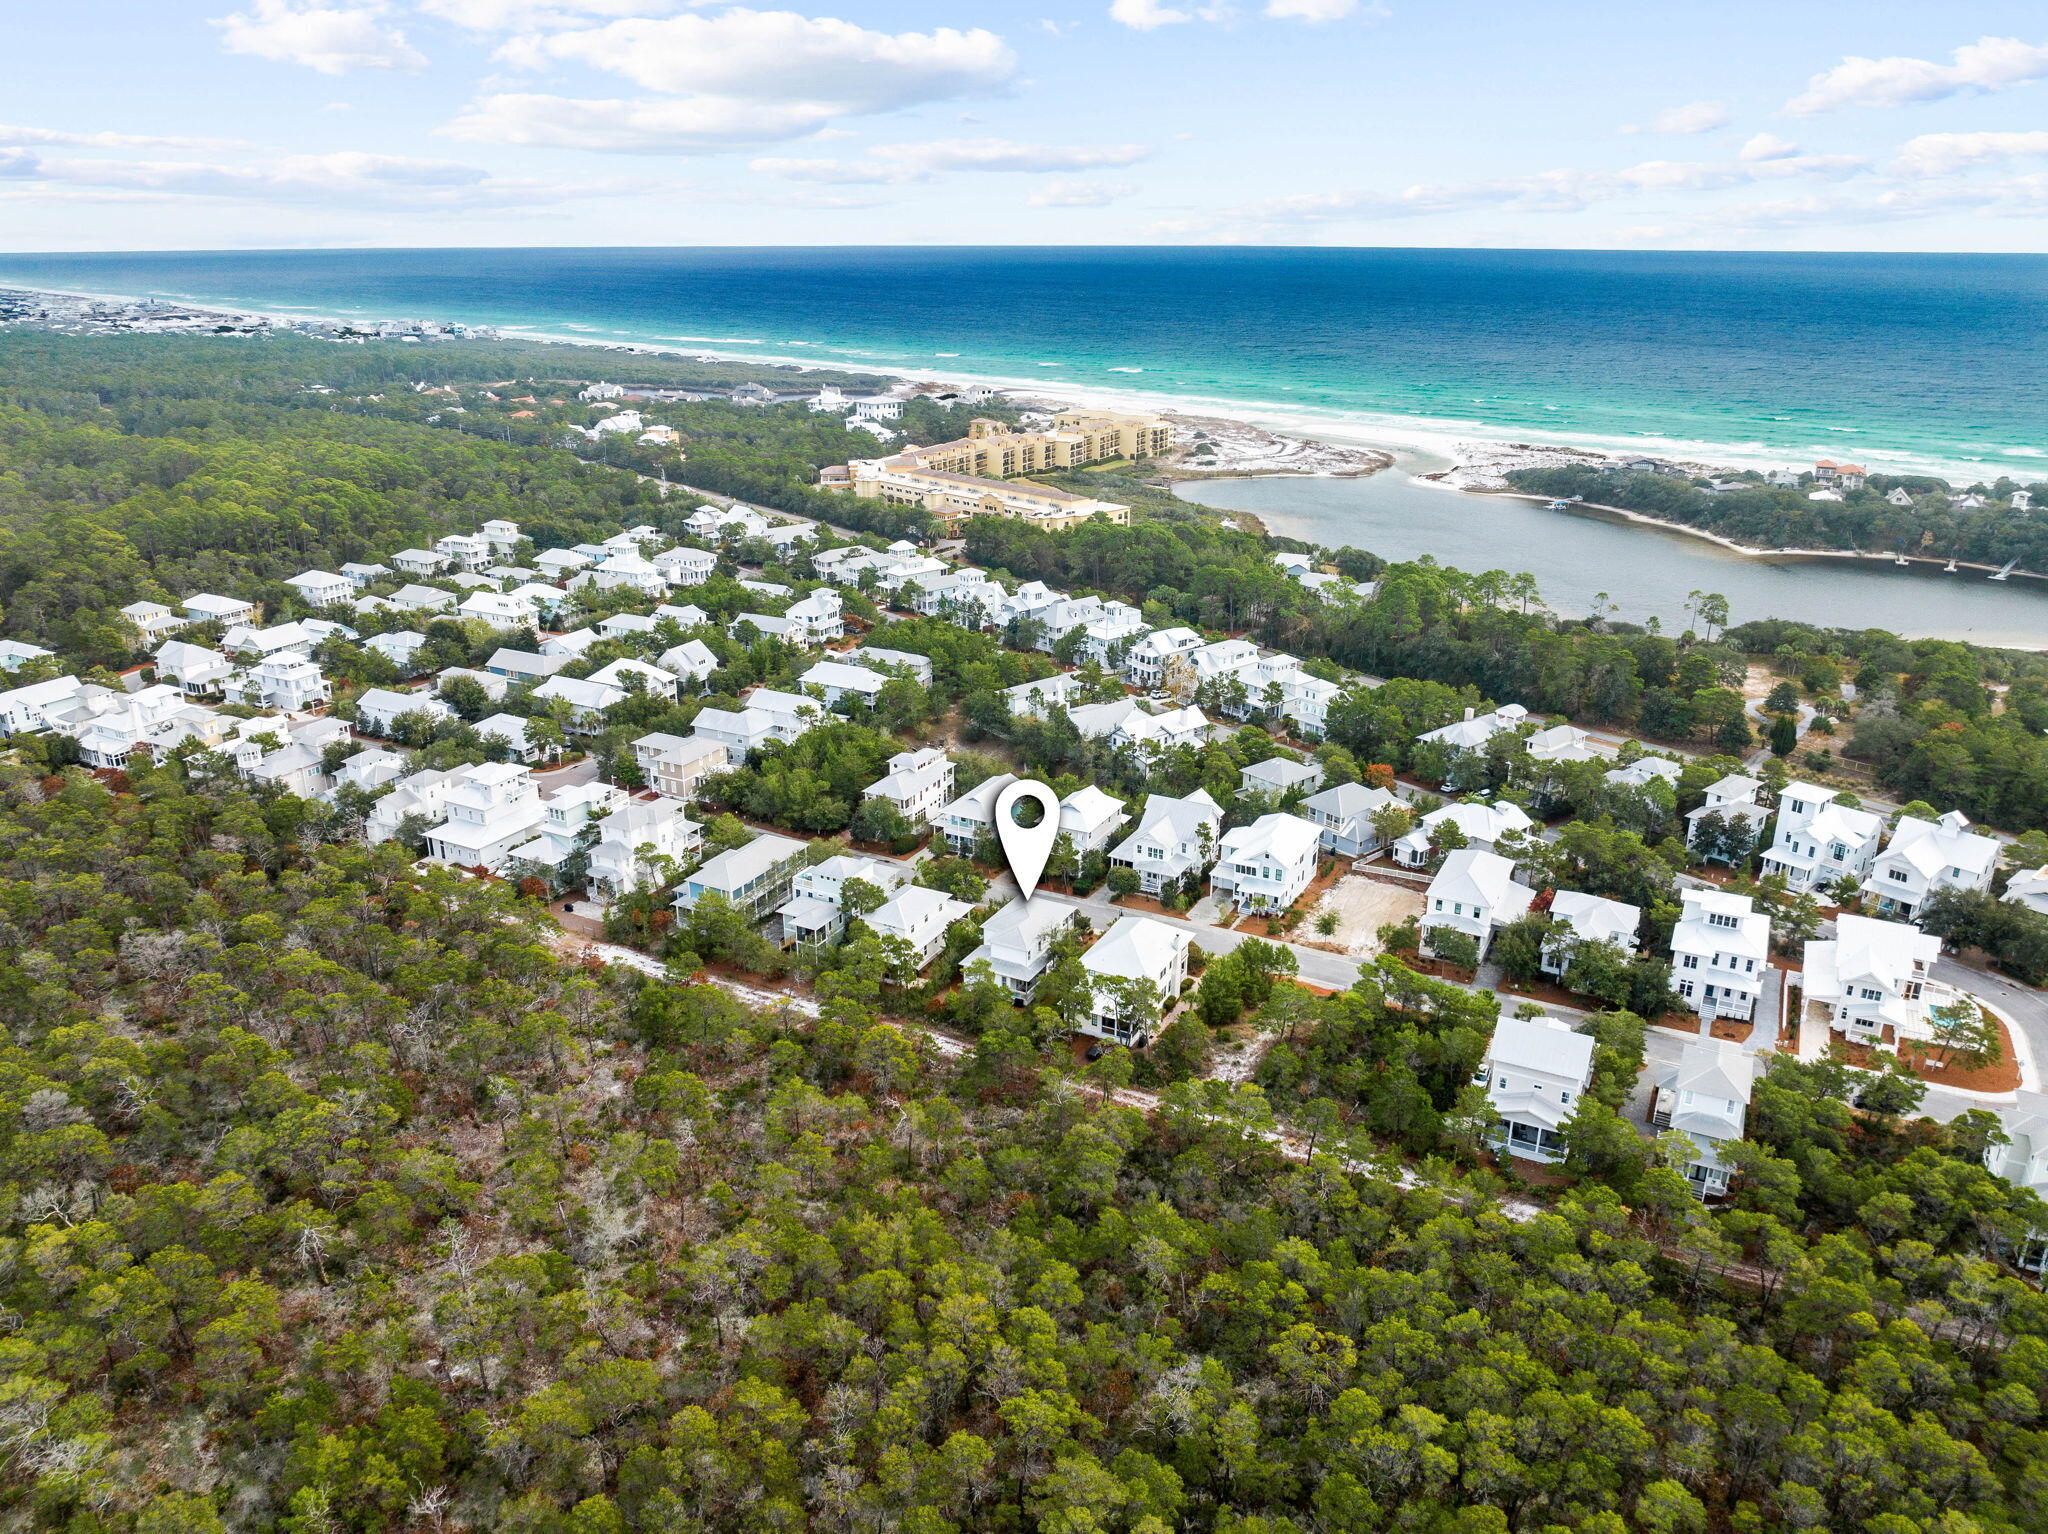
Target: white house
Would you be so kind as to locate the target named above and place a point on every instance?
(558, 563)
(1134, 949)
(1704, 1095)
(419, 562)
(919, 783)
(1278, 776)
(524, 665)
(625, 571)
(398, 646)
(421, 599)
(465, 551)
(501, 610)
(515, 733)
(569, 645)
(1875, 977)
(1174, 838)
(818, 616)
(838, 681)
(1473, 893)
(1720, 954)
(287, 682)
(919, 917)
(1343, 815)
(26, 709)
(693, 660)
(1483, 825)
(1926, 855)
(1644, 771)
(246, 642)
(494, 687)
(1577, 918)
(360, 574)
(502, 535)
(491, 810)
(198, 671)
(1535, 1072)
(320, 587)
(1267, 865)
(2023, 1159)
(1016, 943)
(370, 769)
(153, 620)
(205, 607)
(1145, 661)
(1036, 700)
(1090, 818)
(652, 681)
(2029, 888)
(755, 878)
(903, 663)
(686, 566)
(379, 708)
(1466, 736)
(586, 697)
(1128, 722)
(418, 797)
(1818, 842)
(1730, 802)
(816, 912)
(632, 837)
(568, 822)
(968, 818)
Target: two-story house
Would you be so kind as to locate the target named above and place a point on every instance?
(1818, 843)
(971, 816)
(379, 709)
(1174, 838)
(919, 917)
(1704, 1095)
(919, 783)
(1136, 957)
(1720, 954)
(1267, 865)
(1343, 815)
(816, 912)
(1474, 892)
(1016, 943)
(1482, 825)
(1926, 855)
(317, 588)
(1090, 819)
(1874, 979)
(1535, 1072)
(1278, 777)
(1577, 918)
(1145, 661)
(1465, 738)
(754, 878)
(1731, 805)
(673, 765)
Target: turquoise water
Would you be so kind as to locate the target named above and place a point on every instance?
(1902, 361)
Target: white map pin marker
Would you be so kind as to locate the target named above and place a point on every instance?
(1027, 847)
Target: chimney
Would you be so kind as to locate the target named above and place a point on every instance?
(1468, 715)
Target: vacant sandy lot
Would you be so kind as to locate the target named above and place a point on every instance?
(1363, 906)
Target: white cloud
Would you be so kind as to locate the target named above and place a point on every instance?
(900, 163)
(331, 39)
(1079, 194)
(14, 134)
(1310, 10)
(1693, 117)
(781, 56)
(1989, 64)
(508, 15)
(695, 125)
(738, 78)
(1939, 154)
(348, 179)
(1146, 15)
(1768, 146)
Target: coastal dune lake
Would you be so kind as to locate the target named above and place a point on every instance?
(1646, 571)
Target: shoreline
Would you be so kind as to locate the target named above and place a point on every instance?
(1445, 437)
(1254, 449)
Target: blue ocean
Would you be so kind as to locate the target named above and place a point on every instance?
(1897, 361)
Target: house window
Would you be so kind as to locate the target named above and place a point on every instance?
(1718, 920)
(1564, 1096)
(1870, 995)
(1691, 961)
(1685, 988)
(1898, 874)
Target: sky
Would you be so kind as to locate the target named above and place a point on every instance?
(1793, 124)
